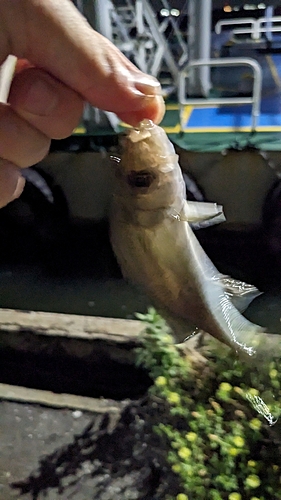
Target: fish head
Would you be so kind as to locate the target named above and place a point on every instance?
(148, 175)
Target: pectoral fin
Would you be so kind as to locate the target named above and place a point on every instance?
(201, 214)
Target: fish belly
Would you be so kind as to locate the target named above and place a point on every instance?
(170, 265)
(161, 260)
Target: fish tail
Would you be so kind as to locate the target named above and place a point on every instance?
(266, 346)
(256, 343)
(244, 336)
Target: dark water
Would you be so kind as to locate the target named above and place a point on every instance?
(75, 274)
(28, 287)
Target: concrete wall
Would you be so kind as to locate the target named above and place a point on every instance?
(86, 179)
(239, 180)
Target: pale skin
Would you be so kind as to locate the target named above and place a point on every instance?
(62, 62)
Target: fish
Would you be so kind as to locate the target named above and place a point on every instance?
(157, 249)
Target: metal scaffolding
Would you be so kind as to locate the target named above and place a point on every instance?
(155, 43)
(162, 41)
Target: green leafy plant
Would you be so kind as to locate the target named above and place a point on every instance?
(220, 443)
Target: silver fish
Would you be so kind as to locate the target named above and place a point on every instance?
(156, 248)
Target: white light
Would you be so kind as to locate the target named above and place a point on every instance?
(175, 12)
(164, 12)
(250, 6)
(261, 6)
(236, 8)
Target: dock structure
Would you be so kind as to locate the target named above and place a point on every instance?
(217, 78)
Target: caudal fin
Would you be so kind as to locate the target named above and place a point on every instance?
(247, 339)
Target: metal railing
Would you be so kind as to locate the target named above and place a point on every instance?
(268, 28)
(256, 28)
(254, 100)
(231, 23)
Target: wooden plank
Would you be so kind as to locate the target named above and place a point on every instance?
(48, 398)
(70, 325)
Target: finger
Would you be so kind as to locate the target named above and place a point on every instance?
(46, 103)
(11, 182)
(152, 109)
(58, 39)
(20, 143)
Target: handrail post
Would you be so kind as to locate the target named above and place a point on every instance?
(256, 30)
(256, 96)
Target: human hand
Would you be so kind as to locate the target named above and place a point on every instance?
(62, 62)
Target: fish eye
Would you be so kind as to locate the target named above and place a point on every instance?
(143, 178)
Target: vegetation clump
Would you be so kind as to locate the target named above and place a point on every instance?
(219, 434)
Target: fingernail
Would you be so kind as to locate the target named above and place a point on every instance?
(41, 98)
(19, 188)
(150, 88)
(153, 107)
(146, 84)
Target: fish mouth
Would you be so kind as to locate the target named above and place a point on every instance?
(140, 179)
(144, 130)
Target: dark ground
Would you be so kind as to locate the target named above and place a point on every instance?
(62, 454)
